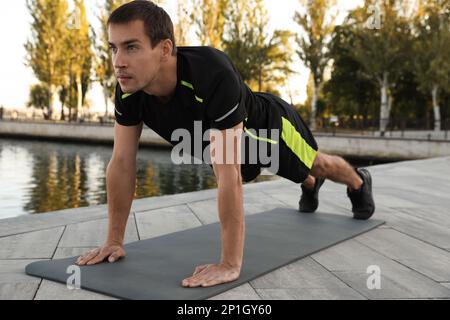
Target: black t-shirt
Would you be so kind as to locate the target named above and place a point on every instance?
(209, 89)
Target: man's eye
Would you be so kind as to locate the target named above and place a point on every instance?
(131, 47)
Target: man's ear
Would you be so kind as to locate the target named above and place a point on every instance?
(167, 48)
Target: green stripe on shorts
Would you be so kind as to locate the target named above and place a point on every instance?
(297, 144)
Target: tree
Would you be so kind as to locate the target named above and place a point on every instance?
(39, 97)
(184, 23)
(348, 92)
(381, 47)
(79, 55)
(209, 18)
(262, 59)
(432, 52)
(46, 49)
(317, 24)
(103, 63)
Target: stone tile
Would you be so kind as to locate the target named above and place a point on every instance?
(158, 222)
(395, 284)
(152, 203)
(436, 214)
(333, 293)
(205, 211)
(36, 222)
(14, 283)
(414, 197)
(401, 220)
(254, 203)
(303, 279)
(329, 202)
(243, 292)
(49, 290)
(257, 202)
(268, 185)
(289, 196)
(335, 205)
(350, 260)
(94, 233)
(422, 257)
(391, 200)
(31, 245)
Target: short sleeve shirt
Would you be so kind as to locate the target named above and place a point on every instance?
(209, 89)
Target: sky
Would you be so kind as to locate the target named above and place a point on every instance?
(15, 30)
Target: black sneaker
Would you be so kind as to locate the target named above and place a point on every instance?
(363, 205)
(310, 198)
(250, 172)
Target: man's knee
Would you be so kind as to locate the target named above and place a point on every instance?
(322, 165)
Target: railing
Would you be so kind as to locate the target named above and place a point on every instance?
(407, 128)
(92, 119)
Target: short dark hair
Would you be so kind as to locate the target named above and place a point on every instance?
(157, 23)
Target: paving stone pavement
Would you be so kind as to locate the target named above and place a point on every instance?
(412, 250)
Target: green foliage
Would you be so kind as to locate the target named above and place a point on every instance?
(39, 96)
(349, 91)
(263, 59)
(432, 46)
(209, 18)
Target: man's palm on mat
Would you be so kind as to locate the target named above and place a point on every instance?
(111, 252)
(206, 275)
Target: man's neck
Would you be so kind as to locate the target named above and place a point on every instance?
(163, 86)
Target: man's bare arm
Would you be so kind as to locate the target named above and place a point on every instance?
(230, 199)
(121, 184)
(231, 214)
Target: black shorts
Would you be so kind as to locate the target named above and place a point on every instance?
(297, 147)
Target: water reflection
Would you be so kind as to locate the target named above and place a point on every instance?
(38, 177)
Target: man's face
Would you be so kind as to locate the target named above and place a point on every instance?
(135, 63)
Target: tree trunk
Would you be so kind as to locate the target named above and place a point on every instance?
(62, 111)
(106, 97)
(52, 89)
(436, 109)
(79, 111)
(312, 124)
(384, 108)
(260, 79)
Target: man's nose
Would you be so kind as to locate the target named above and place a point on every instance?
(119, 60)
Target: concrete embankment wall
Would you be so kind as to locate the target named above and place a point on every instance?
(345, 145)
(383, 148)
(88, 133)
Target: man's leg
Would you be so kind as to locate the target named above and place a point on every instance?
(335, 169)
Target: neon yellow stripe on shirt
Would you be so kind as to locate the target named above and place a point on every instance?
(190, 86)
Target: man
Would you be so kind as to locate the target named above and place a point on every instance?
(168, 88)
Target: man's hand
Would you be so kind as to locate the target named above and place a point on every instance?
(111, 251)
(211, 274)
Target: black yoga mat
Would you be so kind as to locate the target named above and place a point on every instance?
(154, 268)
